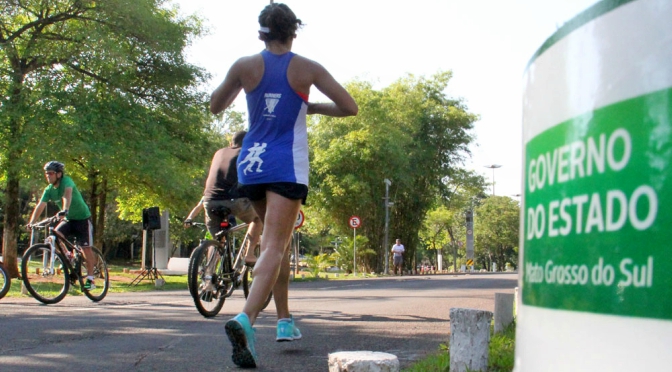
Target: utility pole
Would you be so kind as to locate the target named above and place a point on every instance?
(387, 223)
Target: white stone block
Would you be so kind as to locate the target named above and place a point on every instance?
(503, 311)
(469, 339)
(178, 264)
(363, 361)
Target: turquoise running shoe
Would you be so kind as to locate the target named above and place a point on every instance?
(241, 334)
(287, 330)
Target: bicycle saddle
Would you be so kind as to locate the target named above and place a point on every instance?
(220, 211)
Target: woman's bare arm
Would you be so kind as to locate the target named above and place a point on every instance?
(228, 90)
(342, 103)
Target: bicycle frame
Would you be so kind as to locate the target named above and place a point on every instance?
(226, 245)
(217, 268)
(69, 250)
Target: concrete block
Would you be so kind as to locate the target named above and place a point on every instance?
(159, 283)
(503, 311)
(363, 361)
(469, 339)
(178, 264)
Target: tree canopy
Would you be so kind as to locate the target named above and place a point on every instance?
(104, 87)
(410, 133)
(496, 229)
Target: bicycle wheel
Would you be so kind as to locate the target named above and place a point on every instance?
(46, 281)
(204, 271)
(189, 283)
(247, 284)
(5, 281)
(193, 281)
(101, 279)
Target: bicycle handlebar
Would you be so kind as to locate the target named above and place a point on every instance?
(44, 223)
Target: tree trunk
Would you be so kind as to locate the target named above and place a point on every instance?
(10, 235)
(93, 200)
(98, 196)
(12, 205)
(100, 223)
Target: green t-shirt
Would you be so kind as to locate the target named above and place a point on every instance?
(78, 208)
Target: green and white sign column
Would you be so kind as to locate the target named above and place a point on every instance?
(596, 223)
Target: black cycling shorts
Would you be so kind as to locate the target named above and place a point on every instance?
(289, 190)
(77, 231)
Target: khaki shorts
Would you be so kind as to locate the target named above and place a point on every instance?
(241, 208)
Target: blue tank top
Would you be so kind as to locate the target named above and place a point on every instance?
(275, 148)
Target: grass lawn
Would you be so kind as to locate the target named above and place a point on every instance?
(500, 354)
(122, 274)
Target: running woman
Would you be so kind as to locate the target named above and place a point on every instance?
(273, 162)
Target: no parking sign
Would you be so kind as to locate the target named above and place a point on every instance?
(299, 220)
(354, 222)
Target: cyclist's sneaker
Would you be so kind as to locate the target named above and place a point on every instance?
(89, 285)
(287, 330)
(241, 334)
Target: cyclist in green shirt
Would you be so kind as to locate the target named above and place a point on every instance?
(75, 214)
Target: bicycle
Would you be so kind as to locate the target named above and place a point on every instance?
(5, 281)
(217, 268)
(49, 269)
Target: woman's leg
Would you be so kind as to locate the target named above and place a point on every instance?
(279, 215)
(281, 287)
(253, 233)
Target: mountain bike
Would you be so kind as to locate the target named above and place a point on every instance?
(217, 268)
(5, 281)
(49, 269)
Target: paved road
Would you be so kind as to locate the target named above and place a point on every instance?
(162, 331)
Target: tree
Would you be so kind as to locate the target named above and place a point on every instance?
(496, 231)
(444, 228)
(410, 133)
(110, 78)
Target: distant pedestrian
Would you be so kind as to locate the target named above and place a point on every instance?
(398, 257)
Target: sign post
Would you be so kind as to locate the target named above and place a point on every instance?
(354, 222)
(300, 219)
(470, 239)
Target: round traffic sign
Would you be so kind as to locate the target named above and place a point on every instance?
(354, 222)
(299, 220)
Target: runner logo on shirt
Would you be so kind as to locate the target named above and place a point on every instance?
(272, 100)
(254, 157)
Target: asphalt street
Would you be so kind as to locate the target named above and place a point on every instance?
(162, 331)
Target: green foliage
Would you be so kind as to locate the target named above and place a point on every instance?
(501, 354)
(502, 350)
(410, 133)
(344, 255)
(320, 263)
(444, 228)
(104, 87)
(436, 362)
(496, 229)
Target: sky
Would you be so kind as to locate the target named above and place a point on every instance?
(487, 45)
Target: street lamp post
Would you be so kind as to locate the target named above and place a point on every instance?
(387, 223)
(493, 167)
